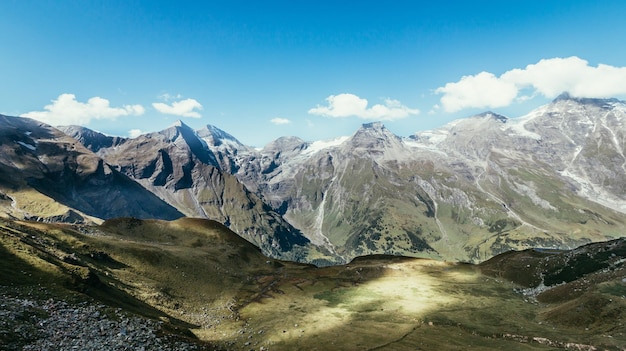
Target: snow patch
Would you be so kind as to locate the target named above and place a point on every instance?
(517, 127)
(318, 146)
(434, 137)
(28, 146)
(591, 192)
(532, 194)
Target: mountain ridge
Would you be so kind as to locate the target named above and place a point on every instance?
(69, 182)
(47, 174)
(466, 191)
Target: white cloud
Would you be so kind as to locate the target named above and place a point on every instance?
(133, 133)
(67, 110)
(481, 90)
(348, 105)
(279, 121)
(551, 77)
(434, 109)
(182, 108)
(548, 77)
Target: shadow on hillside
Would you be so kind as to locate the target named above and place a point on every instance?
(124, 197)
(47, 274)
(407, 304)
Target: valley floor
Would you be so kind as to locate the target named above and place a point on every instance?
(404, 304)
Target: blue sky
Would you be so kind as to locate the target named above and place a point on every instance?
(313, 69)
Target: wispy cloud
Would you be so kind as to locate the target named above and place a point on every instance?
(169, 97)
(350, 105)
(279, 121)
(67, 110)
(548, 77)
(182, 108)
(434, 109)
(133, 133)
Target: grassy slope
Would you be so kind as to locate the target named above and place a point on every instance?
(198, 275)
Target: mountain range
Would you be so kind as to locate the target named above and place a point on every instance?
(474, 188)
(98, 246)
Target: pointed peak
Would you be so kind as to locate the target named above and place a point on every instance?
(373, 136)
(373, 128)
(563, 96)
(215, 136)
(495, 116)
(179, 124)
(286, 143)
(373, 125)
(600, 102)
(219, 132)
(178, 128)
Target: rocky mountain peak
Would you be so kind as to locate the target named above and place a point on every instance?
(179, 128)
(374, 138)
(374, 125)
(91, 139)
(216, 137)
(495, 116)
(179, 123)
(598, 102)
(185, 138)
(563, 96)
(373, 130)
(285, 144)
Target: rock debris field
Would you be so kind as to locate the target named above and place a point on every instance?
(50, 324)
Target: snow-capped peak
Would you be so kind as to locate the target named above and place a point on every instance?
(216, 137)
(179, 123)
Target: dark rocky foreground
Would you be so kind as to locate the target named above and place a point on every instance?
(34, 324)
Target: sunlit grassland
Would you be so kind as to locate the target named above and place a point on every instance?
(394, 304)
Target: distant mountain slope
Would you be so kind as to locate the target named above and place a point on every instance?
(46, 175)
(469, 190)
